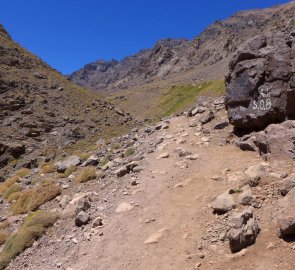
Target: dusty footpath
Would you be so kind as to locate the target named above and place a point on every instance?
(161, 217)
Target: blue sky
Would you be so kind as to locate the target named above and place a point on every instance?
(68, 34)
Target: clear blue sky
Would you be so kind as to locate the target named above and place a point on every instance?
(68, 34)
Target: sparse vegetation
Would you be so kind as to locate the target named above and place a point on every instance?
(12, 189)
(4, 224)
(129, 152)
(69, 171)
(3, 237)
(12, 180)
(47, 168)
(33, 228)
(8, 183)
(22, 172)
(86, 175)
(177, 98)
(32, 199)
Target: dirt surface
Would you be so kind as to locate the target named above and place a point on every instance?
(171, 204)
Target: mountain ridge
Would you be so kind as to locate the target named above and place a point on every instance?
(169, 57)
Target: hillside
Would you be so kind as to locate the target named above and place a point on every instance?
(180, 61)
(42, 112)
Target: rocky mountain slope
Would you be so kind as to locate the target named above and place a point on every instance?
(181, 61)
(41, 111)
(174, 186)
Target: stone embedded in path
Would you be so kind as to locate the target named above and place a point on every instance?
(244, 229)
(192, 157)
(257, 170)
(164, 155)
(223, 203)
(154, 238)
(122, 171)
(81, 219)
(246, 197)
(206, 117)
(286, 219)
(124, 207)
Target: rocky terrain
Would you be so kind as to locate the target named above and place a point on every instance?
(41, 111)
(129, 203)
(181, 61)
(211, 188)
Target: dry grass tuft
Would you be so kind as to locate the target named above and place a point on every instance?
(47, 168)
(32, 199)
(33, 228)
(3, 237)
(12, 189)
(85, 175)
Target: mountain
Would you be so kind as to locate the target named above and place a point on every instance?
(181, 61)
(41, 111)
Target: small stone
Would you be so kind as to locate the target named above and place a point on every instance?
(124, 207)
(154, 238)
(97, 222)
(81, 219)
(164, 155)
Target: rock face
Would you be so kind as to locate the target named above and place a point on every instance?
(268, 142)
(261, 81)
(244, 229)
(286, 219)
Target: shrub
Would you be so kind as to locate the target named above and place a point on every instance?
(85, 175)
(47, 168)
(129, 152)
(22, 172)
(3, 237)
(13, 197)
(4, 224)
(8, 183)
(32, 199)
(32, 229)
(12, 189)
(69, 171)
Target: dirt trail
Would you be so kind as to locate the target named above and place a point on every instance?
(183, 211)
(171, 200)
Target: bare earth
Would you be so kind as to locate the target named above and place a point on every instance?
(170, 207)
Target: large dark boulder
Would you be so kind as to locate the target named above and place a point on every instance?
(261, 81)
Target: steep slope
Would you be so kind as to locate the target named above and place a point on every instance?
(182, 61)
(40, 110)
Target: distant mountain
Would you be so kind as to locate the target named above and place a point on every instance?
(42, 112)
(172, 57)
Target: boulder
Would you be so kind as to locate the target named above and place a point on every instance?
(268, 143)
(261, 82)
(223, 203)
(246, 197)
(286, 218)
(288, 184)
(244, 229)
(67, 163)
